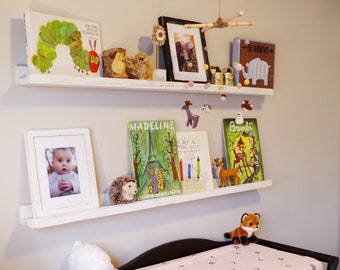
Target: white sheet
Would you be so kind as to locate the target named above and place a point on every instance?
(239, 257)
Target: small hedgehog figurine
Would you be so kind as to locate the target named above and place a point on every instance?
(123, 190)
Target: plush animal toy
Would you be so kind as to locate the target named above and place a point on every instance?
(139, 67)
(114, 63)
(245, 233)
(123, 190)
(88, 257)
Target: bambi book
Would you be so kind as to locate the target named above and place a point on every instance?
(154, 156)
(243, 151)
(62, 46)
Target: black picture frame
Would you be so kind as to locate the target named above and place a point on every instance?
(190, 64)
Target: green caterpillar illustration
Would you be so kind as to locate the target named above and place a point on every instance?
(57, 33)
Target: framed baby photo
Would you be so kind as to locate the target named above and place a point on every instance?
(185, 53)
(61, 171)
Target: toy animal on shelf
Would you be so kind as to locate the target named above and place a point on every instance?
(224, 174)
(139, 67)
(192, 119)
(123, 190)
(245, 233)
(114, 63)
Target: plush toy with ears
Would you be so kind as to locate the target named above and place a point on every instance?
(245, 233)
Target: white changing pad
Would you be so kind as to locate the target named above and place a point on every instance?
(239, 257)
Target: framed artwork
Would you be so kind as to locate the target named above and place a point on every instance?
(184, 51)
(61, 171)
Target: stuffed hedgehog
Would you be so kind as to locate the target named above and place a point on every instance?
(123, 190)
(245, 233)
(88, 257)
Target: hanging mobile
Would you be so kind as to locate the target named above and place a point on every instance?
(220, 22)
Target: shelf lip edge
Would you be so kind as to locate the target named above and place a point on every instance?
(106, 211)
(40, 80)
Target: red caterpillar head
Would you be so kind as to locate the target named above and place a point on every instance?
(93, 58)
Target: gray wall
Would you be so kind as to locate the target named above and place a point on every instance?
(299, 128)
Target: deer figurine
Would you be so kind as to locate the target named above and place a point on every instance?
(226, 173)
(192, 118)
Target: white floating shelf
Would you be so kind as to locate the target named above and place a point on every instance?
(26, 217)
(25, 79)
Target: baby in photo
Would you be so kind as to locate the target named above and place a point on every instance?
(63, 180)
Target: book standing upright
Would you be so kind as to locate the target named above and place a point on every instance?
(243, 150)
(253, 63)
(194, 161)
(62, 46)
(154, 157)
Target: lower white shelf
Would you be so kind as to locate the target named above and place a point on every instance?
(26, 216)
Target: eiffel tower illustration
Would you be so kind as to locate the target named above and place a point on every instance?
(153, 162)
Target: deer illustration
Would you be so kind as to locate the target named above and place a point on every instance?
(226, 173)
(241, 156)
(192, 118)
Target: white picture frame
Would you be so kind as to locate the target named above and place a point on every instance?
(76, 145)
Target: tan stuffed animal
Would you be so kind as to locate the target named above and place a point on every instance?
(139, 67)
(114, 63)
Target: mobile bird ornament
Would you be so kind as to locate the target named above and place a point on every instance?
(221, 22)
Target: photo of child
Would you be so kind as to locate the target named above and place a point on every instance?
(186, 52)
(62, 171)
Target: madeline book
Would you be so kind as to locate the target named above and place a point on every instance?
(194, 161)
(243, 150)
(253, 62)
(62, 46)
(154, 157)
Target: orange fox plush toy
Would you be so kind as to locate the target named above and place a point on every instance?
(245, 233)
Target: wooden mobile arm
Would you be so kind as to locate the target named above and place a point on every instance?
(220, 23)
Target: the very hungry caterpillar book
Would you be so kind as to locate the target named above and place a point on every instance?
(62, 46)
(154, 157)
(242, 147)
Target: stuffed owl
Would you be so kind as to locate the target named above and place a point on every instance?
(139, 67)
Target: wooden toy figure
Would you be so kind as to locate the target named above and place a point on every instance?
(226, 173)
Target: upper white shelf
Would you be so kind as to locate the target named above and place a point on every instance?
(49, 80)
(26, 216)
